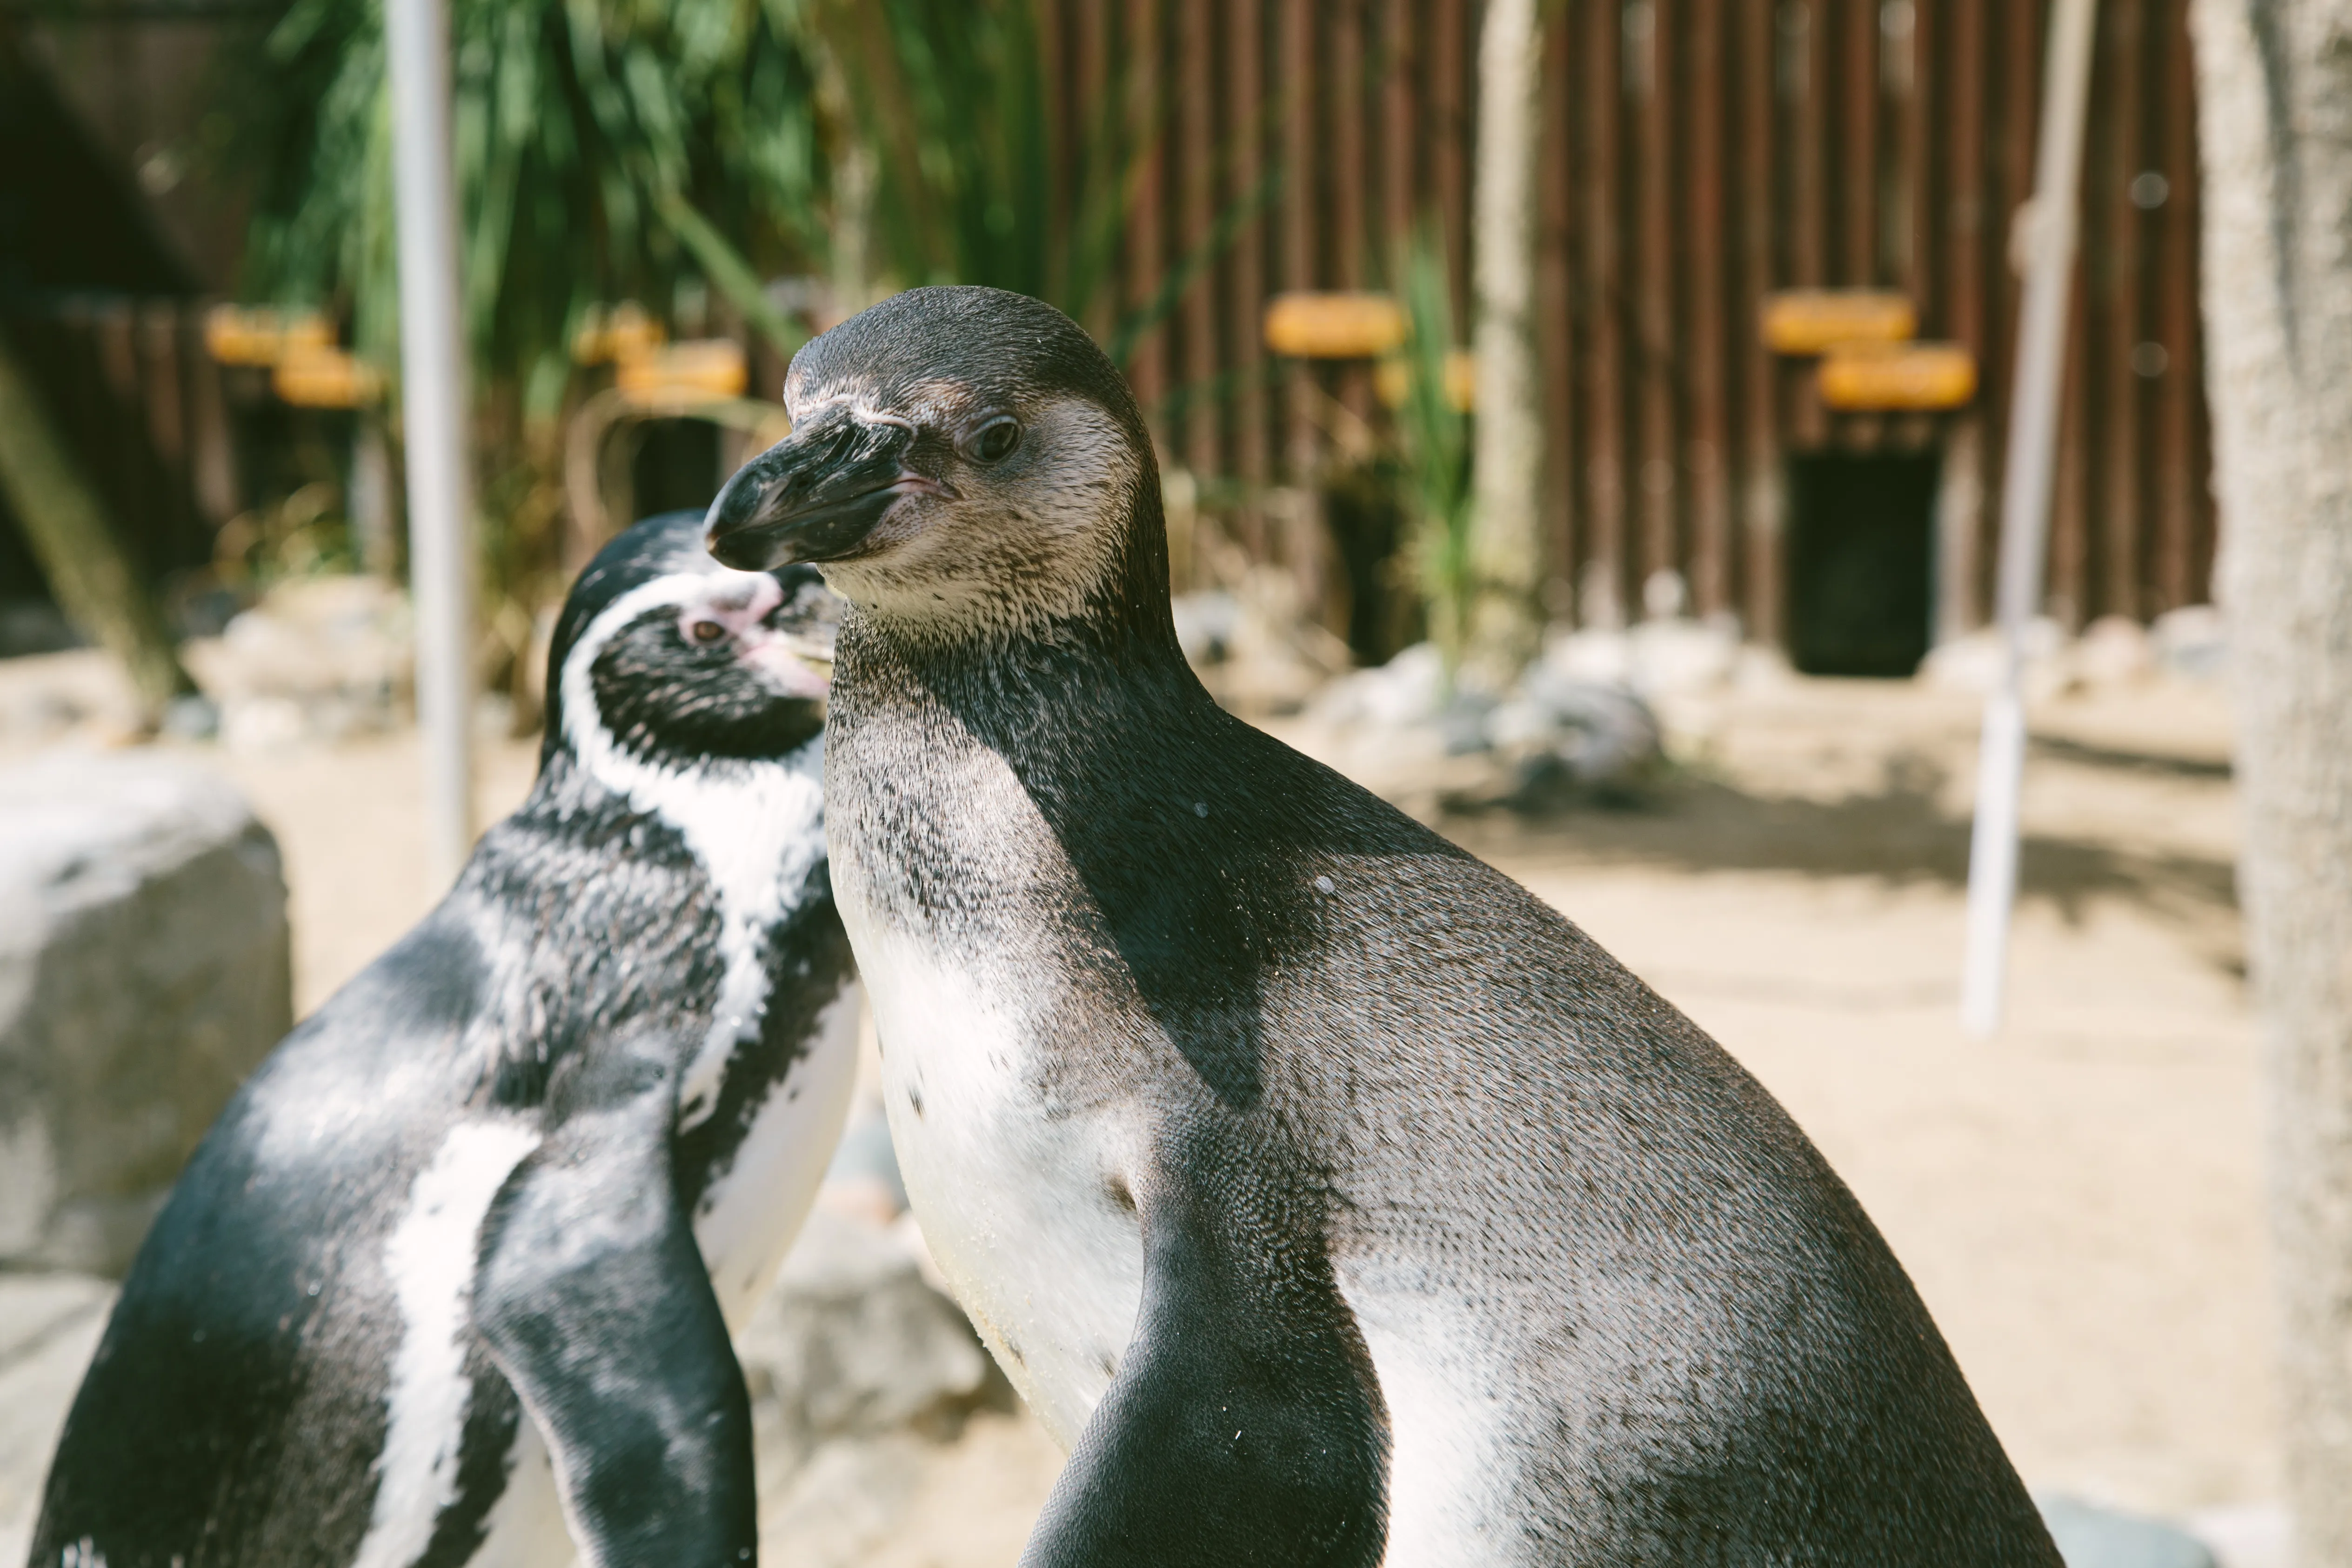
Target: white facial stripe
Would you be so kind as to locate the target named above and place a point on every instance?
(429, 1259)
(927, 401)
(757, 828)
(673, 591)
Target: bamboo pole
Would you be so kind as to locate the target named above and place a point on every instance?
(1507, 533)
(2026, 508)
(433, 401)
(80, 552)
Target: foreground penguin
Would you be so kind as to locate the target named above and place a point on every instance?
(550, 1145)
(1335, 1200)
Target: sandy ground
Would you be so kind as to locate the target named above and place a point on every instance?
(2078, 1199)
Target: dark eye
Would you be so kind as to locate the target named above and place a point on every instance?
(707, 631)
(994, 442)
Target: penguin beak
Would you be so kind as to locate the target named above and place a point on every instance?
(816, 496)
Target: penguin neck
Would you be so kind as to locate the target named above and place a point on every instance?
(754, 826)
(1112, 678)
(756, 831)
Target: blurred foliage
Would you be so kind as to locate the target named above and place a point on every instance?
(604, 152)
(678, 152)
(1433, 445)
(653, 149)
(302, 534)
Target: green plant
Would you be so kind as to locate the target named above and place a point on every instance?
(1433, 447)
(604, 152)
(661, 151)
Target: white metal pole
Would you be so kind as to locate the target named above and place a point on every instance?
(2025, 507)
(433, 401)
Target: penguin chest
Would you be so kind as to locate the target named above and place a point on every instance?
(1019, 1193)
(754, 1203)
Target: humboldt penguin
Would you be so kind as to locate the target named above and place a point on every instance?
(450, 1280)
(1333, 1200)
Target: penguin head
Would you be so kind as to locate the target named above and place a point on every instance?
(963, 462)
(666, 656)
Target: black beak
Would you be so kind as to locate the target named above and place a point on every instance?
(814, 495)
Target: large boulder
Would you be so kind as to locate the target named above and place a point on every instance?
(144, 970)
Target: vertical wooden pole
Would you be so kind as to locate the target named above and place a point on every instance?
(1555, 334)
(211, 450)
(1965, 233)
(1057, 69)
(2068, 593)
(1653, 59)
(1150, 116)
(1762, 485)
(1506, 527)
(2121, 447)
(1246, 300)
(1195, 110)
(1402, 131)
(1708, 451)
(1810, 259)
(160, 414)
(2180, 475)
(1859, 148)
(1299, 58)
(1092, 119)
(1346, 87)
(1449, 132)
(1601, 597)
(1915, 74)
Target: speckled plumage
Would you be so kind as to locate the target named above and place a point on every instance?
(482, 1168)
(1337, 1200)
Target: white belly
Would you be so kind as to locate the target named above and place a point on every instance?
(748, 1217)
(1010, 1194)
(1450, 1478)
(1013, 1192)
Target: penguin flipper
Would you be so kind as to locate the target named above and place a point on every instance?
(1244, 1424)
(596, 1305)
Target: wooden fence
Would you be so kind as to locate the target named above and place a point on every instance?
(145, 410)
(1697, 154)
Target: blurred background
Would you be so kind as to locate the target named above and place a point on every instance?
(1776, 249)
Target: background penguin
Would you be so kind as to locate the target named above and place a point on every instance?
(499, 1161)
(1338, 1201)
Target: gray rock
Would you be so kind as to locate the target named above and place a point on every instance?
(320, 659)
(1579, 735)
(1207, 623)
(143, 972)
(2089, 1536)
(2192, 640)
(852, 1343)
(1410, 689)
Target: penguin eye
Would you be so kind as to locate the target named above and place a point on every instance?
(706, 631)
(994, 442)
